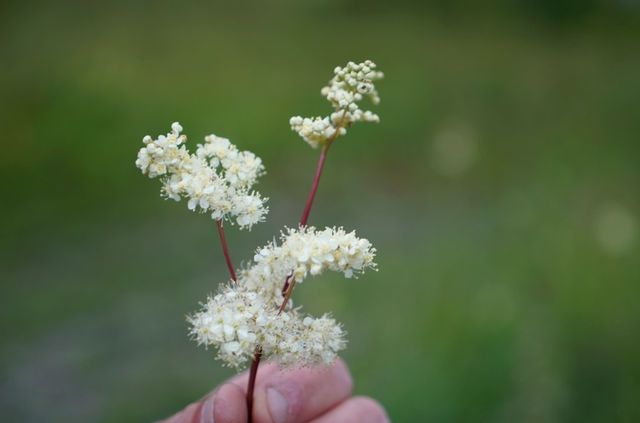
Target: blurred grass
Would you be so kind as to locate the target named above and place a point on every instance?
(496, 300)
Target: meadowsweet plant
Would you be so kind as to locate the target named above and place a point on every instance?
(252, 315)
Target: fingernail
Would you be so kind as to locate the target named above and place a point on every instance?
(278, 405)
(206, 411)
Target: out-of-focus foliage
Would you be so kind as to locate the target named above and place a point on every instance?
(501, 190)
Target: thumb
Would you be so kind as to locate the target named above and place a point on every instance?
(300, 395)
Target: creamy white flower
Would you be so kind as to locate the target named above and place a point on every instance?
(249, 209)
(314, 341)
(227, 321)
(215, 149)
(345, 91)
(303, 252)
(244, 170)
(163, 155)
(216, 179)
(236, 320)
(351, 82)
(245, 314)
(241, 169)
(315, 131)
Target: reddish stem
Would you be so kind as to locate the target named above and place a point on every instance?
(286, 291)
(314, 186)
(252, 382)
(225, 250)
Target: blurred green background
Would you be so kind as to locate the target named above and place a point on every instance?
(501, 189)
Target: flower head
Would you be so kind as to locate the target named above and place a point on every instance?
(217, 179)
(303, 252)
(236, 320)
(349, 86)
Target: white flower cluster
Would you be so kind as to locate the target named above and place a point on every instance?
(306, 251)
(347, 88)
(237, 320)
(245, 314)
(216, 179)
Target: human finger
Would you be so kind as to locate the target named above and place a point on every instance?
(301, 394)
(265, 370)
(355, 410)
(225, 405)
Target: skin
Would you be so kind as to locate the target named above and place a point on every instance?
(286, 396)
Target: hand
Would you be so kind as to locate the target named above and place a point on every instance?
(286, 396)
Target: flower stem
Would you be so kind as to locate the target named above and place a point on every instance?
(314, 186)
(320, 167)
(225, 250)
(290, 284)
(287, 289)
(252, 382)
